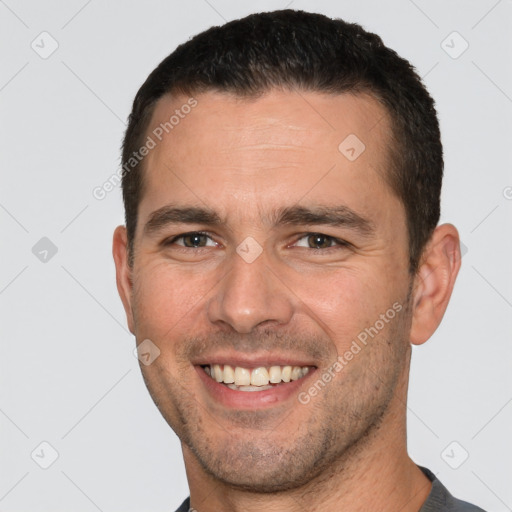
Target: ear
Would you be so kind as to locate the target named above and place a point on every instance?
(123, 272)
(434, 281)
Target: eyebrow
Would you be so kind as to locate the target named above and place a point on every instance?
(170, 214)
(336, 216)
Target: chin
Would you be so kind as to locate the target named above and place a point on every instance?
(262, 466)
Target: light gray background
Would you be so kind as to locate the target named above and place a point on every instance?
(68, 375)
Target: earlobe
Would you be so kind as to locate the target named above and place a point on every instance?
(434, 282)
(123, 272)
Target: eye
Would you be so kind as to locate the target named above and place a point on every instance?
(192, 240)
(319, 241)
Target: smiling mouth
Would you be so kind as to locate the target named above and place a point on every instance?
(255, 379)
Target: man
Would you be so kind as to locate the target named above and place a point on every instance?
(281, 182)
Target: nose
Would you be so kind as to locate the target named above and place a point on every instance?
(250, 295)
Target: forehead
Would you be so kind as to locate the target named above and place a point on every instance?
(228, 152)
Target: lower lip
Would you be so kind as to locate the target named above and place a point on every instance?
(251, 399)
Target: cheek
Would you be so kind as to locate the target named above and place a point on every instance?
(170, 301)
(347, 301)
(339, 300)
(166, 299)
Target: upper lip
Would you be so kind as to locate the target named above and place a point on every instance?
(253, 360)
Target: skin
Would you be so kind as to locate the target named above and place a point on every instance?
(245, 159)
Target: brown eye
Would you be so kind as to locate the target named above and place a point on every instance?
(193, 240)
(319, 241)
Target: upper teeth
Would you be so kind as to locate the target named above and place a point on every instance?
(261, 376)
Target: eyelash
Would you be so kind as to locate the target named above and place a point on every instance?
(173, 240)
(338, 242)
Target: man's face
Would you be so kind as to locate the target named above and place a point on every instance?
(290, 250)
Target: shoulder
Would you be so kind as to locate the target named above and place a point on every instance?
(440, 499)
(185, 506)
